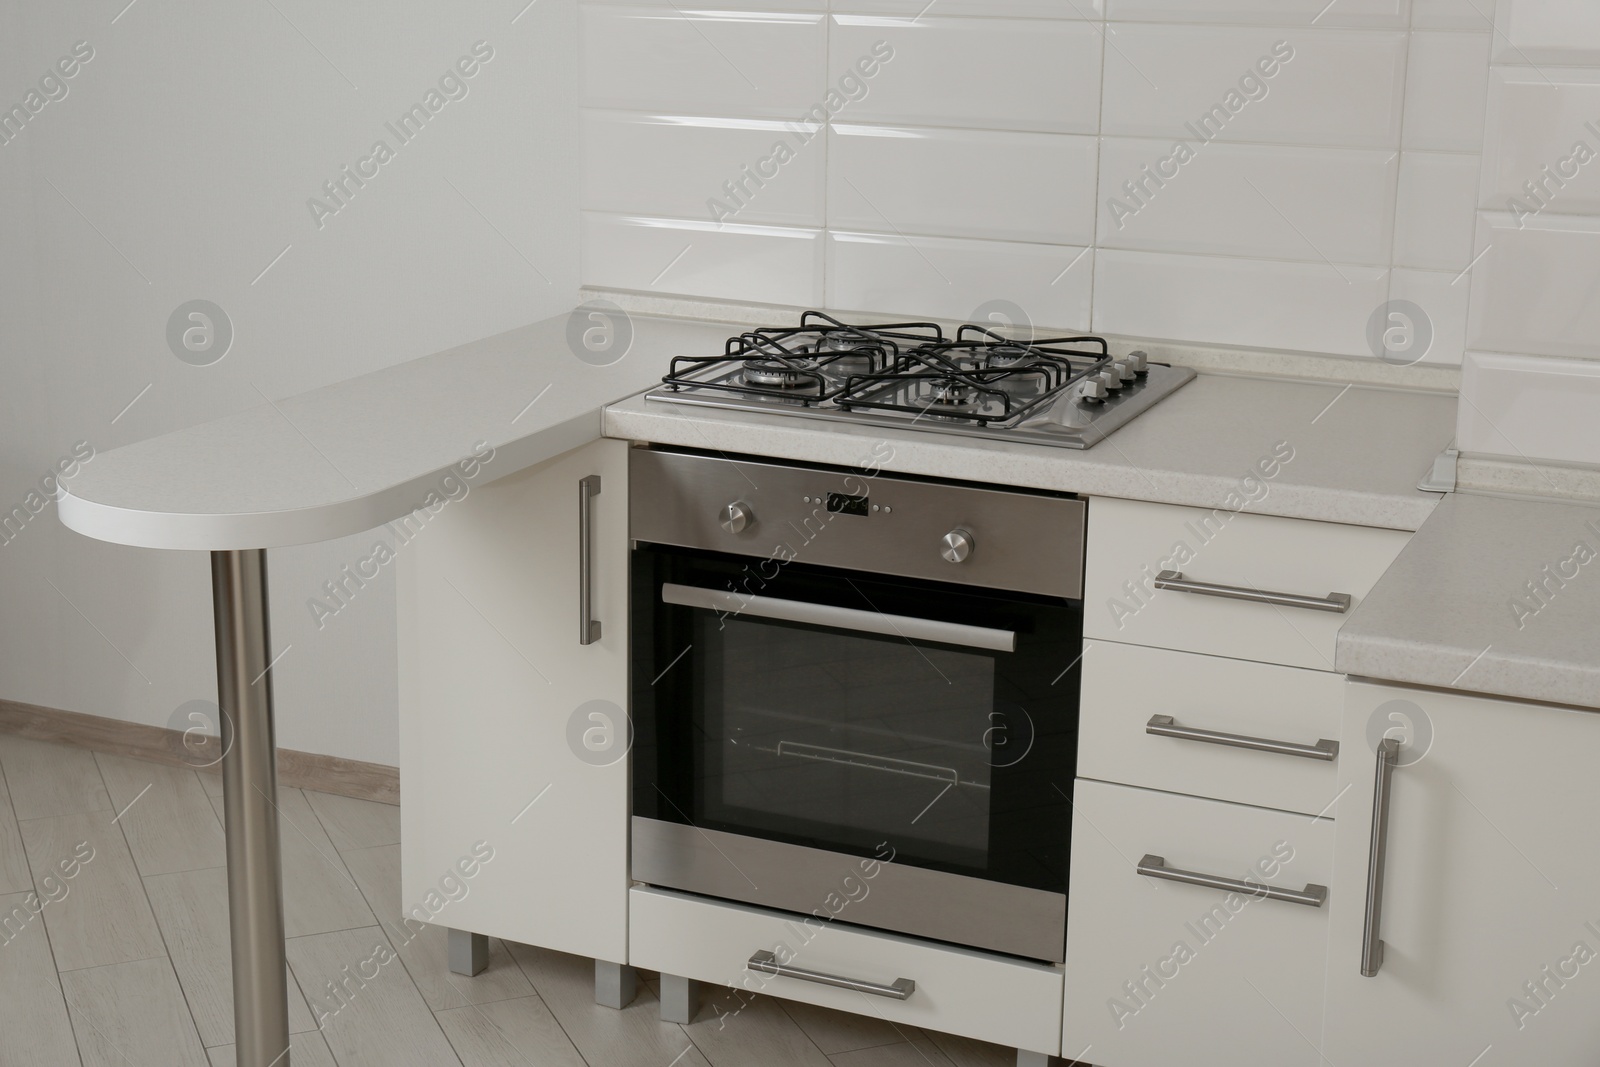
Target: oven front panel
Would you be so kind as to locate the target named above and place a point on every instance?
(852, 714)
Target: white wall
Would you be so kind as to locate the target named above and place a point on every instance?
(176, 167)
(988, 160)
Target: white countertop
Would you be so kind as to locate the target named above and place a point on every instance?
(363, 452)
(1447, 614)
(1358, 451)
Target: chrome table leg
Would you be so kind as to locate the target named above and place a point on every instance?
(250, 798)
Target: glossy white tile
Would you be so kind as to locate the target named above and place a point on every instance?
(756, 264)
(1011, 74)
(951, 183)
(1536, 289)
(1441, 337)
(1452, 14)
(1379, 13)
(1269, 201)
(1300, 86)
(1435, 210)
(1531, 32)
(766, 64)
(748, 170)
(1445, 89)
(1256, 303)
(954, 278)
(1529, 407)
(1542, 148)
(1039, 9)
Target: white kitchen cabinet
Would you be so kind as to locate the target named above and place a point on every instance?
(512, 733)
(1160, 972)
(1490, 915)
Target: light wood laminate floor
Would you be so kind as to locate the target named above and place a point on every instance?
(126, 964)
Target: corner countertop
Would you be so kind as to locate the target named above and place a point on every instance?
(363, 452)
(1493, 595)
(1358, 451)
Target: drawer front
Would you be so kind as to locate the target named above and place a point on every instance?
(958, 991)
(1161, 972)
(1131, 543)
(1125, 686)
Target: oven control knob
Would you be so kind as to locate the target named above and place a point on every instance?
(736, 516)
(1110, 379)
(956, 546)
(1139, 361)
(1124, 371)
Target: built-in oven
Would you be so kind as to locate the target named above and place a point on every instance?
(855, 695)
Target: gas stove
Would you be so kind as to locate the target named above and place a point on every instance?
(1065, 391)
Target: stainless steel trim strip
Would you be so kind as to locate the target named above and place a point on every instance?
(956, 908)
(1163, 726)
(1174, 580)
(1377, 858)
(767, 963)
(1312, 896)
(872, 622)
(588, 626)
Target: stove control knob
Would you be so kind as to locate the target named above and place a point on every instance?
(956, 546)
(1111, 378)
(736, 517)
(1124, 371)
(1139, 360)
(1093, 390)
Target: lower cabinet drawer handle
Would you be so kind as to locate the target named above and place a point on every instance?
(767, 963)
(1163, 726)
(1312, 896)
(1174, 580)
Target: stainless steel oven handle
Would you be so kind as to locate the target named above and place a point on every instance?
(1163, 726)
(1378, 857)
(1312, 896)
(1174, 580)
(872, 622)
(767, 963)
(588, 625)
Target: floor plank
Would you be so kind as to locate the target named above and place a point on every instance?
(355, 823)
(165, 815)
(319, 896)
(132, 1013)
(839, 1031)
(379, 1021)
(967, 1052)
(904, 1054)
(103, 918)
(509, 1033)
(14, 874)
(33, 1014)
(191, 908)
(306, 1050)
(46, 780)
(424, 948)
(759, 1031)
(632, 1037)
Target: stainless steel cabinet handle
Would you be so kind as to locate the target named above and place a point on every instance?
(1163, 726)
(767, 963)
(733, 605)
(588, 626)
(1174, 580)
(1371, 941)
(1312, 896)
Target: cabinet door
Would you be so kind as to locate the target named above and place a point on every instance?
(1490, 911)
(499, 739)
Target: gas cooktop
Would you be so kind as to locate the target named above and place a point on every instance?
(1066, 391)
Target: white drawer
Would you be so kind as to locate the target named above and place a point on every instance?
(1160, 972)
(974, 994)
(1130, 543)
(1125, 686)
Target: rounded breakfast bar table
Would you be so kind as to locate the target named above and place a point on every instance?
(328, 463)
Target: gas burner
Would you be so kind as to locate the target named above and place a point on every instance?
(780, 373)
(1007, 353)
(849, 343)
(951, 392)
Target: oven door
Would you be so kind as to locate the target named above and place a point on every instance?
(792, 721)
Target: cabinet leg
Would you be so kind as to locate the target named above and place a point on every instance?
(468, 952)
(614, 984)
(680, 999)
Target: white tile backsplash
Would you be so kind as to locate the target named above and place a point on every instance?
(1002, 74)
(1532, 407)
(1039, 9)
(1541, 117)
(1536, 289)
(1270, 201)
(1443, 298)
(753, 264)
(1452, 15)
(946, 277)
(1532, 32)
(1434, 210)
(1326, 87)
(1381, 13)
(1445, 88)
(925, 180)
